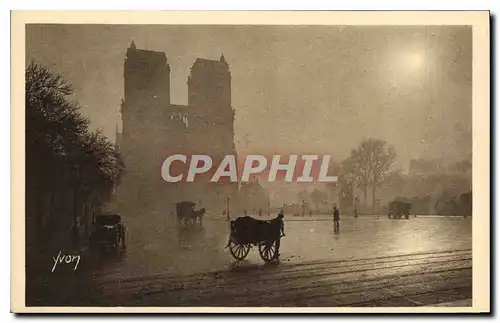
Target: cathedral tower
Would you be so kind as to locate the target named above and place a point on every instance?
(209, 100)
(209, 85)
(147, 76)
(146, 97)
(209, 97)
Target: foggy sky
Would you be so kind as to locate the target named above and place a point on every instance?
(295, 89)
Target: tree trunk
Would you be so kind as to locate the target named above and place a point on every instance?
(52, 211)
(75, 205)
(366, 191)
(38, 215)
(374, 206)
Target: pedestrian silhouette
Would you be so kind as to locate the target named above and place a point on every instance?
(336, 219)
(281, 224)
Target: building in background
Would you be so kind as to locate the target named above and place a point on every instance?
(254, 197)
(154, 128)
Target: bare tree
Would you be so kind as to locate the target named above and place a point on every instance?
(318, 197)
(302, 195)
(356, 169)
(371, 165)
(382, 158)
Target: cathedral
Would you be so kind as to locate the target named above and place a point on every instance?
(154, 128)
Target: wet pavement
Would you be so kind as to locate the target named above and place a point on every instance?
(406, 280)
(372, 261)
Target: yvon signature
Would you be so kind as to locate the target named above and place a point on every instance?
(67, 259)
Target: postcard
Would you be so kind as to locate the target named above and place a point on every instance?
(278, 162)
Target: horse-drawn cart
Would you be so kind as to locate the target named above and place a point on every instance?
(108, 232)
(186, 214)
(399, 209)
(247, 232)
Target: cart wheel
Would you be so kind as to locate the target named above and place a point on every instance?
(268, 251)
(239, 251)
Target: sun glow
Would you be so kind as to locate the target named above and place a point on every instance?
(407, 67)
(415, 60)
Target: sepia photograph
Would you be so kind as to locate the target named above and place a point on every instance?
(209, 162)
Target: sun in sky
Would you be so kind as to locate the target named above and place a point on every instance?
(407, 67)
(415, 60)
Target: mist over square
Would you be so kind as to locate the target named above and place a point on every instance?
(249, 165)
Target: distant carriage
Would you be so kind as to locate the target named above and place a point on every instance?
(108, 232)
(186, 214)
(399, 209)
(247, 232)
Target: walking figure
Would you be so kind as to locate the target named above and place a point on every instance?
(336, 219)
(281, 224)
(281, 216)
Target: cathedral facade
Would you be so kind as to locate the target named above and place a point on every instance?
(155, 128)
